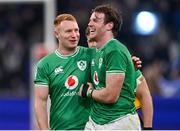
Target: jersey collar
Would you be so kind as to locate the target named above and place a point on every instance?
(66, 56)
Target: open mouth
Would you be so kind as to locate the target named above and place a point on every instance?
(73, 41)
(92, 30)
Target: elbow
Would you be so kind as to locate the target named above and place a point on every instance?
(112, 99)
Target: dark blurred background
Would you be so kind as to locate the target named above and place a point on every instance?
(22, 35)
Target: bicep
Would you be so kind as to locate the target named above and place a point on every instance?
(114, 83)
(41, 93)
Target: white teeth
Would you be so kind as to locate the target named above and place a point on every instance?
(92, 30)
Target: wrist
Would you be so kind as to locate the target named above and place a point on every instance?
(89, 93)
(85, 89)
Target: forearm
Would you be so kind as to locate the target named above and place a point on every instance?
(108, 94)
(111, 92)
(41, 115)
(145, 98)
(147, 109)
(104, 96)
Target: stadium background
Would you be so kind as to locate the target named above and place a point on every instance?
(26, 29)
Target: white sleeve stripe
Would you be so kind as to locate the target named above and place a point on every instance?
(42, 85)
(116, 71)
(122, 73)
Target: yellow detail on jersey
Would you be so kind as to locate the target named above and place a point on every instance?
(137, 103)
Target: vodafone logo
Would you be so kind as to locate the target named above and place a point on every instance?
(71, 82)
(96, 80)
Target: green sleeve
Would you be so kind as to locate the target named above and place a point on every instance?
(116, 62)
(41, 75)
(138, 74)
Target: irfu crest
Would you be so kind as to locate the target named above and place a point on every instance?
(82, 65)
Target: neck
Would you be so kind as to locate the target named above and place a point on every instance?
(66, 51)
(103, 40)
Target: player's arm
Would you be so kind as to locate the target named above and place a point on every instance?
(144, 96)
(41, 96)
(108, 94)
(115, 74)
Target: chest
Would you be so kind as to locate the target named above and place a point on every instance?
(69, 73)
(98, 69)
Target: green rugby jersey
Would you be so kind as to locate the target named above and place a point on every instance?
(64, 75)
(138, 74)
(113, 58)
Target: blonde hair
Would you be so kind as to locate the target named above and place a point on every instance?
(63, 17)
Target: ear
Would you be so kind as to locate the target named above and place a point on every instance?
(110, 26)
(55, 33)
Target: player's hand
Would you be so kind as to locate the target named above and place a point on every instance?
(137, 62)
(86, 90)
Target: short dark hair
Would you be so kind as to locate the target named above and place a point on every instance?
(111, 15)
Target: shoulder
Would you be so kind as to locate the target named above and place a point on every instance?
(117, 49)
(117, 45)
(85, 50)
(47, 59)
(114, 46)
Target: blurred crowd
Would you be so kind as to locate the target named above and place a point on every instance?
(21, 27)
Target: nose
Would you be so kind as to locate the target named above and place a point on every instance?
(90, 23)
(73, 34)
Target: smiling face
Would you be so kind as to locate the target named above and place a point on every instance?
(96, 25)
(67, 32)
(105, 23)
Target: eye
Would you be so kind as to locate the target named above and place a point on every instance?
(76, 30)
(68, 31)
(95, 20)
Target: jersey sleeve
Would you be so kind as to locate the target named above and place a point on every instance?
(138, 74)
(116, 63)
(41, 75)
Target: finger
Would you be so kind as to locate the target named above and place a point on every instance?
(139, 62)
(135, 58)
(80, 90)
(139, 66)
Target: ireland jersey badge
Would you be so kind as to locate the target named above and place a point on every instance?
(82, 65)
